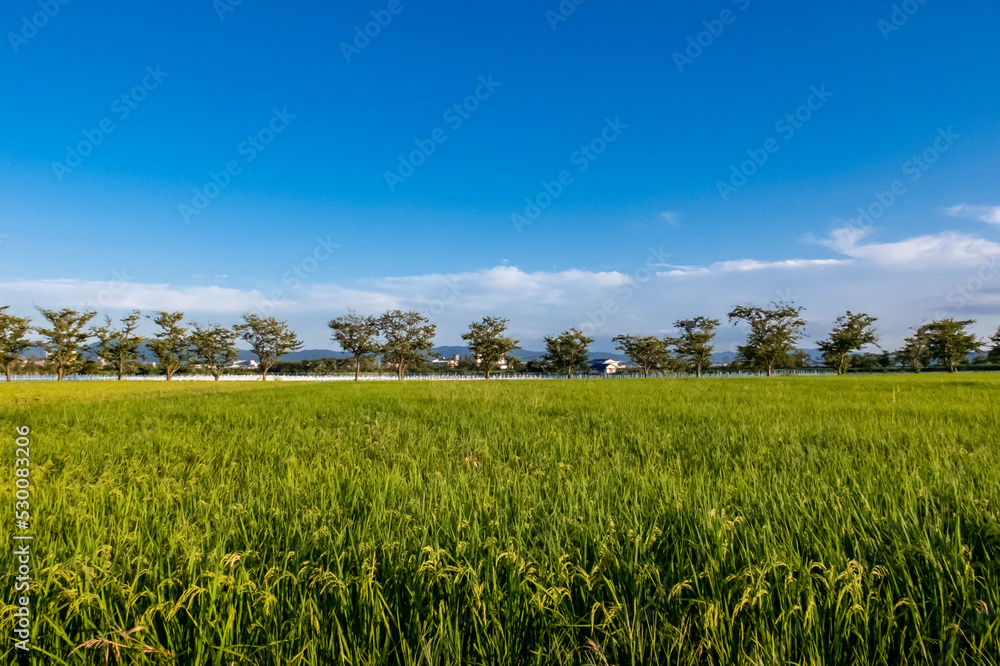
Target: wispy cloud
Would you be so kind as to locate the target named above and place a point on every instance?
(990, 214)
(903, 282)
(844, 239)
(748, 265)
(947, 248)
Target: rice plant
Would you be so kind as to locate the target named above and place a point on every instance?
(825, 520)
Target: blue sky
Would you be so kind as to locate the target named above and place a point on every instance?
(641, 232)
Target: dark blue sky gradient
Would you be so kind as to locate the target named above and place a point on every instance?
(324, 175)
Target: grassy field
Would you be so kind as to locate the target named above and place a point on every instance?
(825, 520)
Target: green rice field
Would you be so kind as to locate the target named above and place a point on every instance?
(799, 520)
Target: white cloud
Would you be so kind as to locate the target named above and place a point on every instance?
(125, 295)
(990, 214)
(903, 283)
(748, 265)
(945, 249)
(844, 239)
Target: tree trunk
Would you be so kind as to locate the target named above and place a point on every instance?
(7, 370)
(698, 369)
(487, 372)
(569, 372)
(60, 372)
(770, 368)
(357, 367)
(400, 371)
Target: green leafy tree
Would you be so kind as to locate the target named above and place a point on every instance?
(646, 351)
(514, 364)
(774, 332)
(568, 351)
(171, 346)
(213, 347)
(13, 338)
(119, 348)
(537, 365)
(994, 355)
(63, 341)
(850, 333)
(408, 339)
(356, 335)
(869, 362)
(675, 364)
(798, 358)
(951, 343)
(916, 349)
(269, 338)
(487, 342)
(695, 342)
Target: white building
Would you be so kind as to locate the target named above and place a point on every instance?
(607, 366)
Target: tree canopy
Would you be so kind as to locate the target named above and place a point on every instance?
(695, 341)
(171, 346)
(213, 347)
(774, 333)
(269, 338)
(487, 342)
(916, 350)
(63, 340)
(13, 338)
(356, 335)
(994, 354)
(850, 333)
(950, 342)
(408, 339)
(119, 347)
(647, 351)
(568, 351)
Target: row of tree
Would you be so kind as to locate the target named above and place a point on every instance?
(774, 334)
(403, 340)
(67, 340)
